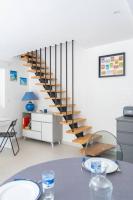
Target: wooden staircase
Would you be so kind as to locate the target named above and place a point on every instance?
(45, 76)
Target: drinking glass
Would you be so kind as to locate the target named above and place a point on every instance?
(48, 181)
(98, 167)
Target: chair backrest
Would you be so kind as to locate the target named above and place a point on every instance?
(11, 126)
(108, 138)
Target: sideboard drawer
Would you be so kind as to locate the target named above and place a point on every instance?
(32, 134)
(124, 126)
(37, 117)
(36, 126)
(41, 117)
(125, 137)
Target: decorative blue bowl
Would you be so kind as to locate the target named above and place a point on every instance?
(30, 107)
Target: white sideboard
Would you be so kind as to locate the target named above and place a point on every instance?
(44, 127)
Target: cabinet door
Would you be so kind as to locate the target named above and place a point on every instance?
(47, 132)
(48, 118)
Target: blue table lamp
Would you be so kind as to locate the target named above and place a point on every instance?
(29, 96)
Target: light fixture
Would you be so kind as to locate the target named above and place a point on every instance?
(29, 96)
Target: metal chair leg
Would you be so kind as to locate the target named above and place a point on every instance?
(14, 153)
(2, 147)
(2, 142)
(9, 134)
(17, 144)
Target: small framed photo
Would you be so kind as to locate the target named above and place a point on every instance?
(23, 81)
(112, 65)
(13, 75)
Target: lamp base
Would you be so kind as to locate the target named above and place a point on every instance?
(30, 106)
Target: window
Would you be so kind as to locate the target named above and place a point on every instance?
(2, 88)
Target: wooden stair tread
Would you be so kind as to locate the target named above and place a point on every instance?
(48, 84)
(71, 122)
(58, 98)
(96, 149)
(87, 138)
(30, 59)
(38, 62)
(64, 113)
(34, 65)
(43, 77)
(78, 130)
(57, 91)
(42, 71)
(28, 55)
(63, 105)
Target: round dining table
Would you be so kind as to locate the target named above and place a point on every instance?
(72, 182)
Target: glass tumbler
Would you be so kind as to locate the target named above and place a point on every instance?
(48, 181)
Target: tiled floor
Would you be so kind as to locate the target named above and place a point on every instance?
(32, 152)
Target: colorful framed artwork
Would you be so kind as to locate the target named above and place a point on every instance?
(13, 75)
(112, 65)
(23, 81)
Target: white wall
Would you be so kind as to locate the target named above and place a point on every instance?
(13, 93)
(103, 99)
(100, 100)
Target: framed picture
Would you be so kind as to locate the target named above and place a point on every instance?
(23, 81)
(13, 75)
(112, 65)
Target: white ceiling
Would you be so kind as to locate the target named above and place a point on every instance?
(30, 24)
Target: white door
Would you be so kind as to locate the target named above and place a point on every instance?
(47, 132)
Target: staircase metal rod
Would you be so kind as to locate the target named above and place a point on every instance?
(45, 66)
(36, 61)
(50, 68)
(60, 75)
(32, 59)
(28, 56)
(66, 82)
(40, 62)
(72, 85)
(55, 69)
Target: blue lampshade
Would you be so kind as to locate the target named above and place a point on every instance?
(28, 96)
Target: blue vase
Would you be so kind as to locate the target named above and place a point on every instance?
(30, 106)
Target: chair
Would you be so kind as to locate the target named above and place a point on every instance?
(9, 134)
(107, 145)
